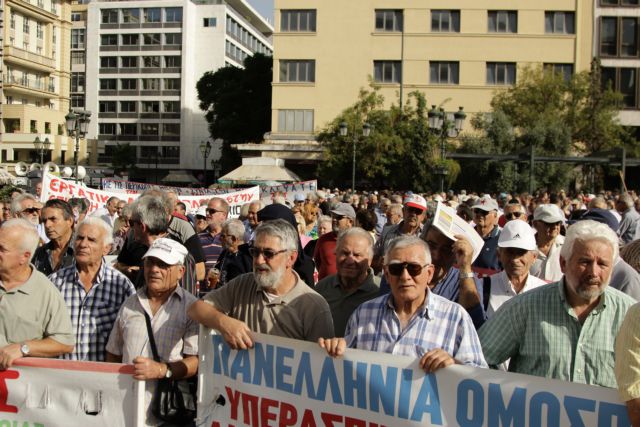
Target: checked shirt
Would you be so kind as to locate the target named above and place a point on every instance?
(92, 313)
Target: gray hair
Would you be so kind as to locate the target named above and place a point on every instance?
(626, 199)
(30, 238)
(234, 227)
(281, 229)
(402, 242)
(586, 231)
(151, 211)
(126, 211)
(94, 221)
(324, 218)
(356, 232)
(279, 200)
(395, 208)
(16, 203)
(260, 204)
(167, 201)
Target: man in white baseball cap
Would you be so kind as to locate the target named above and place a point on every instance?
(485, 216)
(547, 221)
(517, 251)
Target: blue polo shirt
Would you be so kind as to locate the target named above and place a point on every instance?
(488, 257)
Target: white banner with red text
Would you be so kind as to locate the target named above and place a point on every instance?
(54, 187)
(287, 382)
(50, 393)
(132, 187)
(289, 191)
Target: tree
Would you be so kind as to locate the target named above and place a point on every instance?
(237, 104)
(124, 159)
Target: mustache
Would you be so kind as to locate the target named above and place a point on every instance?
(263, 268)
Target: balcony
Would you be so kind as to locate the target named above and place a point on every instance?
(34, 9)
(15, 55)
(31, 87)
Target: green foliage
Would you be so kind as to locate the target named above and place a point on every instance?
(237, 103)
(124, 159)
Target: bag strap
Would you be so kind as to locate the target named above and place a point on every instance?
(486, 291)
(152, 340)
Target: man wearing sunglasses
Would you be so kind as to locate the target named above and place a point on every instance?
(271, 300)
(411, 320)
(485, 216)
(216, 213)
(514, 210)
(547, 221)
(413, 214)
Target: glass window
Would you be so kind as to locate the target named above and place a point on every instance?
(107, 84)
(608, 36)
(150, 106)
(77, 38)
(171, 106)
(130, 16)
(107, 106)
(629, 39)
(151, 61)
(151, 84)
(559, 23)
(77, 57)
(388, 20)
(77, 82)
(129, 61)
(210, 22)
(503, 21)
(171, 84)
(566, 70)
(295, 121)
(130, 129)
(128, 84)
(172, 61)
(171, 129)
(108, 62)
(130, 39)
(172, 39)
(297, 20)
(501, 73)
(150, 129)
(445, 21)
(109, 16)
(441, 72)
(152, 14)
(297, 71)
(628, 86)
(77, 101)
(127, 106)
(387, 71)
(151, 39)
(173, 14)
(107, 128)
(109, 40)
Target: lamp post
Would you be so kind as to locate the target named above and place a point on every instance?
(205, 149)
(216, 167)
(77, 125)
(366, 130)
(41, 147)
(444, 128)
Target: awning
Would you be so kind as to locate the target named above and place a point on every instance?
(259, 174)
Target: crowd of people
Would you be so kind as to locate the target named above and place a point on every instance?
(553, 291)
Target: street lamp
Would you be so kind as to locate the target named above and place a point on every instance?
(366, 130)
(444, 128)
(77, 125)
(205, 149)
(41, 147)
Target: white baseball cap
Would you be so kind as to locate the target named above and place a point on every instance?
(548, 213)
(517, 234)
(202, 211)
(416, 201)
(168, 251)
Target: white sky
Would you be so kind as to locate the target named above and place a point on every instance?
(264, 7)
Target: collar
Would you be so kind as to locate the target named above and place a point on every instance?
(422, 311)
(289, 296)
(29, 286)
(602, 304)
(100, 276)
(178, 292)
(367, 284)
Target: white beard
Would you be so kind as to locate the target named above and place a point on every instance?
(268, 280)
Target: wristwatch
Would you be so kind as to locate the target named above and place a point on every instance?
(24, 349)
(468, 275)
(168, 373)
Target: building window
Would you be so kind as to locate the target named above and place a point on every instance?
(109, 16)
(298, 20)
(150, 107)
(77, 101)
(130, 16)
(501, 73)
(150, 84)
(441, 72)
(130, 39)
(297, 71)
(109, 40)
(623, 80)
(151, 39)
(172, 61)
(77, 38)
(77, 82)
(130, 129)
(107, 106)
(39, 32)
(619, 36)
(171, 84)
(12, 21)
(566, 70)
(150, 61)
(128, 84)
(108, 62)
(129, 61)
(152, 14)
(295, 121)
(559, 23)
(445, 21)
(503, 21)
(77, 57)
(127, 106)
(76, 16)
(150, 129)
(171, 129)
(388, 20)
(210, 22)
(387, 71)
(173, 14)
(619, 2)
(173, 38)
(107, 128)
(107, 84)
(25, 25)
(171, 106)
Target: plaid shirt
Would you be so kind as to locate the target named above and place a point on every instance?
(92, 313)
(438, 323)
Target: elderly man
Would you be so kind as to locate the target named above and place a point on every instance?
(517, 252)
(271, 300)
(630, 218)
(628, 363)
(411, 321)
(93, 291)
(565, 330)
(251, 222)
(354, 283)
(57, 253)
(165, 304)
(547, 220)
(110, 211)
(413, 211)
(26, 206)
(33, 318)
(485, 216)
(514, 210)
(217, 212)
(343, 217)
(231, 263)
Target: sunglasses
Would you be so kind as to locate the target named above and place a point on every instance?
(212, 211)
(413, 210)
(513, 215)
(268, 254)
(480, 212)
(31, 210)
(413, 269)
(338, 217)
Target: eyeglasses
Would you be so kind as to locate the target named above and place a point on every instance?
(513, 215)
(338, 217)
(480, 212)
(211, 211)
(413, 210)
(396, 269)
(268, 254)
(30, 210)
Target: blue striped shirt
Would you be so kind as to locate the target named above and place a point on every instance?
(438, 323)
(92, 313)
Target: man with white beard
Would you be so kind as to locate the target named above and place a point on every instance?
(271, 300)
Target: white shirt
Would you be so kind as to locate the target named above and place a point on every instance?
(103, 214)
(547, 267)
(502, 290)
